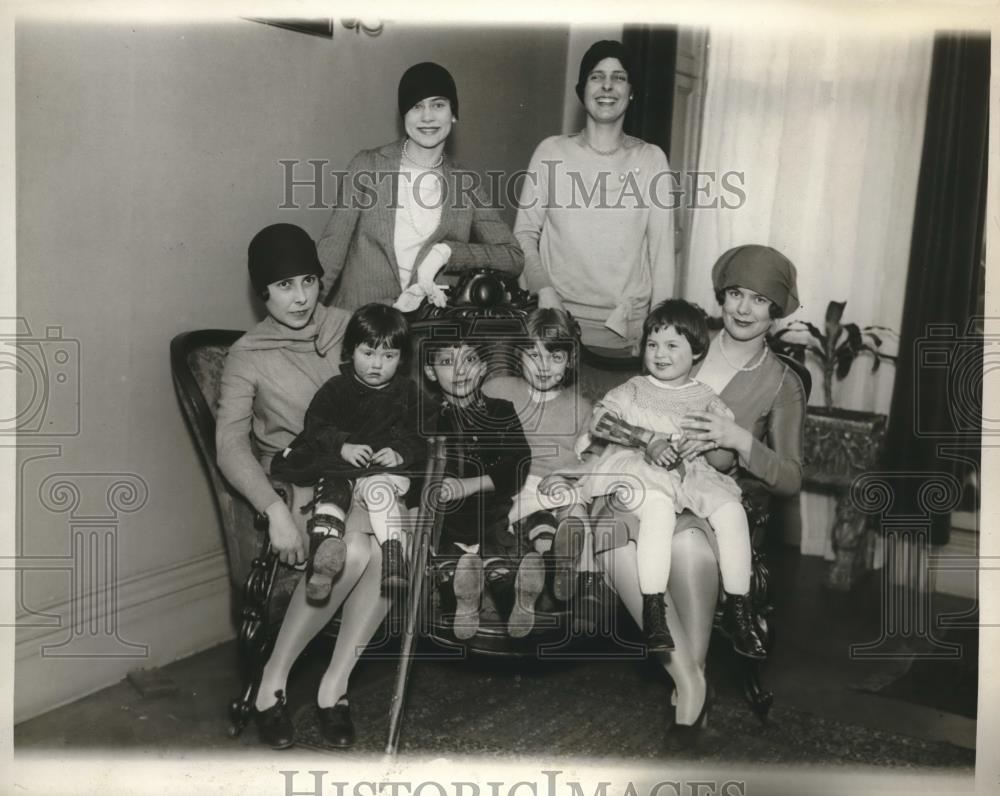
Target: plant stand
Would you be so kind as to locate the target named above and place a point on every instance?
(839, 446)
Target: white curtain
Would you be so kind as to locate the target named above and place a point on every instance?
(827, 130)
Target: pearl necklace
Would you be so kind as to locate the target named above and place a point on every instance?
(408, 199)
(604, 152)
(406, 156)
(744, 368)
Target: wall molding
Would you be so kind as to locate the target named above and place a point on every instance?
(160, 616)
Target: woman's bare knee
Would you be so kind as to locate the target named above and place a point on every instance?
(691, 547)
(358, 554)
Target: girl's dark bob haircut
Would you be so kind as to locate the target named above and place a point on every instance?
(379, 326)
(774, 309)
(688, 319)
(554, 330)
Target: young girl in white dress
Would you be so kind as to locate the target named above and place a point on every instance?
(642, 469)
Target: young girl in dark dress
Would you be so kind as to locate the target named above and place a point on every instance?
(360, 436)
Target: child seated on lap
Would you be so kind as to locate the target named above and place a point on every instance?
(360, 434)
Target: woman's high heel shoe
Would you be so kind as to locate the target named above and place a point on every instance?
(336, 726)
(274, 725)
(684, 736)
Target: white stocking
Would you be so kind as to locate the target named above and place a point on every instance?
(732, 531)
(656, 534)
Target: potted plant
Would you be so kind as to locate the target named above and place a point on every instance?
(839, 444)
(838, 349)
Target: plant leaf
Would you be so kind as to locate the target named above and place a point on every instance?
(834, 312)
(889, 332)
(815, 333)
(844, 359)
(854, 339)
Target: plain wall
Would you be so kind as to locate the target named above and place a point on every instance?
(147, 157)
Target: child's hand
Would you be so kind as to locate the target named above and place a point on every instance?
(661, 451)
(583, 442)
(452, 489)
(387, 457)
(358, 455)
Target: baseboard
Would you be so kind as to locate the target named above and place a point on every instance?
(69, 649)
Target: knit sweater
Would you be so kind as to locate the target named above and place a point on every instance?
(270, 376)
(551, 427)
(591, 230)
(345, 410)
(357, 248)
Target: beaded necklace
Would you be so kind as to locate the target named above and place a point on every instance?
(406, 156)
(604, 152)
(744, 368)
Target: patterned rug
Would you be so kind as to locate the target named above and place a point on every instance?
(603, 711)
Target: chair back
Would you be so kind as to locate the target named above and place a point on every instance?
(196, 362)
(800, 370)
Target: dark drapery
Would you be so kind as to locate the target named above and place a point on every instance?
(654, 52)
(937, 401)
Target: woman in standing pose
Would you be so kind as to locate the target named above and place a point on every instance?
(406, 212)
(594, 220)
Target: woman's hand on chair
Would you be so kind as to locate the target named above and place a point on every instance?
(286, 539)
(549, 299)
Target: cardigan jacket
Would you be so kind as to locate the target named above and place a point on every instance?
(357, 248)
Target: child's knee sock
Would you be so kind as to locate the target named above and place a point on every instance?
(541, 528)
(733, 534)
(379, 498)
(656, 535)
(333, 498)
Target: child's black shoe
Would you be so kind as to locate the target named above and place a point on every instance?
(654, 623)
(739, 624)
(566, 549)
(395, 572)
(591, 602)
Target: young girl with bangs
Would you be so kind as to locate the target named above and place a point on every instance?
(547, 515)
(642, 468)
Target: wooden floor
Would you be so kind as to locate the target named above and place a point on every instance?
(825, 709)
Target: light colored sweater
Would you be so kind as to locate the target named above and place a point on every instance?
(551, 427)
(271, 374)
(590, 228)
